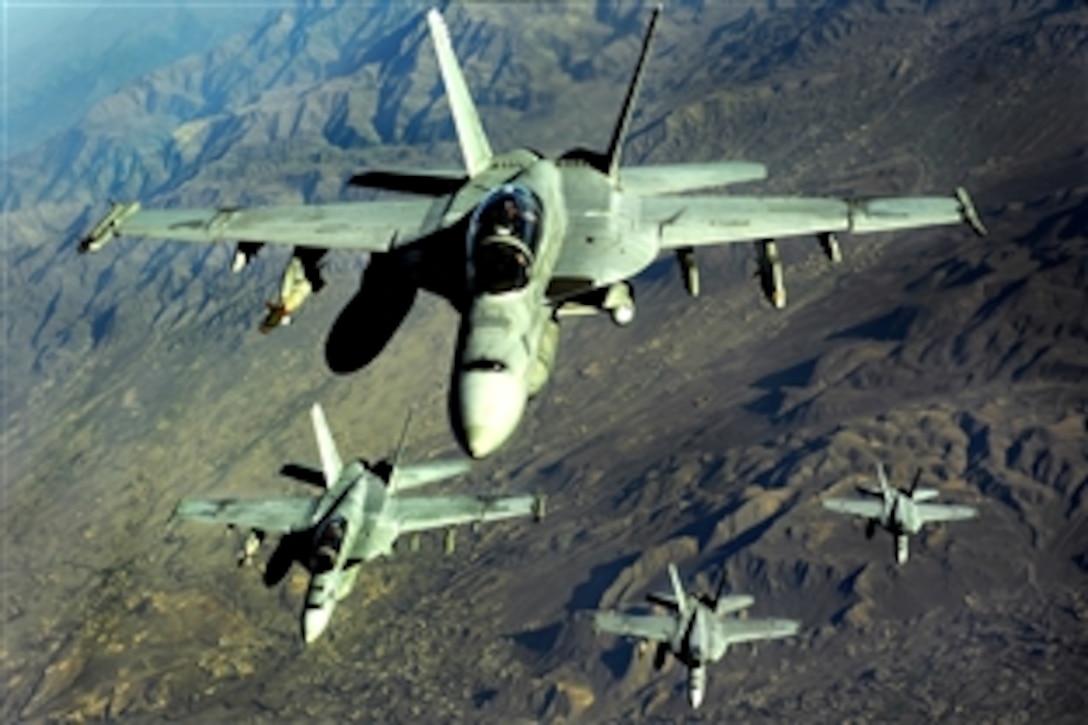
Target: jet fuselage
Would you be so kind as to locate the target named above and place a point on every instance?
(508, 331)
(355, 528)
(699, 641)
(900, 513)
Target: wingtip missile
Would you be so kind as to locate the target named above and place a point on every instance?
(969, 213)
(106, 229)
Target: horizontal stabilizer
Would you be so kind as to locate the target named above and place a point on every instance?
(867, 509)
(653, 627)
(928, 512)
(421, 474)
(733, 603)
(677, 178)
(924, 494)
(423, 183)
(738, 631)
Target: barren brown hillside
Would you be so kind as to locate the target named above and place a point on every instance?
(704, 434)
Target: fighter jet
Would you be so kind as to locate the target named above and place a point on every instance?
(359, 516)
(900, 513)
(517, 241)
(697, 629)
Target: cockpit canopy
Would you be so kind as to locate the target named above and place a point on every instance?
(328, 541)
(502, 240)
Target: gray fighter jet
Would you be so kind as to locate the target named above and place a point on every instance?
(516, 241)
(358, 517)
(900, 513)
(697, 630)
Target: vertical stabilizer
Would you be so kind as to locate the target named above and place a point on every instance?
(914, 484)
(470, 133)
(331, 465)
(619, 133)
(720, 589)
(882, 477)
(678, 592)
(394, 462)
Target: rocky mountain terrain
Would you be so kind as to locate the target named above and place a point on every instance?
(62, 59)
(704, 434)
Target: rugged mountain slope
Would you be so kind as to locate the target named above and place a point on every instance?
(63, 59)
(704, 433)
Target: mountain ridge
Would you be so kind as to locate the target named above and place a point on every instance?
(705, 433)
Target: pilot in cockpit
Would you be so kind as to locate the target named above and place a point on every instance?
(505, 233)
(329, 540)
(510, 216)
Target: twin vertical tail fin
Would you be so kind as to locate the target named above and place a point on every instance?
(723, 603)
(719, 591)
(470, 132)
(402, 477)
(914, 484)
(475, 147)
(678, 592)
(882, 478)
(331, 464)
(619, 133)
(398, 453)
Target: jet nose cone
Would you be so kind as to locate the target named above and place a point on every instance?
(314, 622)
(483, 440)
(491, 405)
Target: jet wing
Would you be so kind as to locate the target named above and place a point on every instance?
(736, 631)
(686, 221)
(868, 509)
(275, 515)
(656, 627)
(594, 255)
(366, 226)
(944, 512)
(419, 513)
